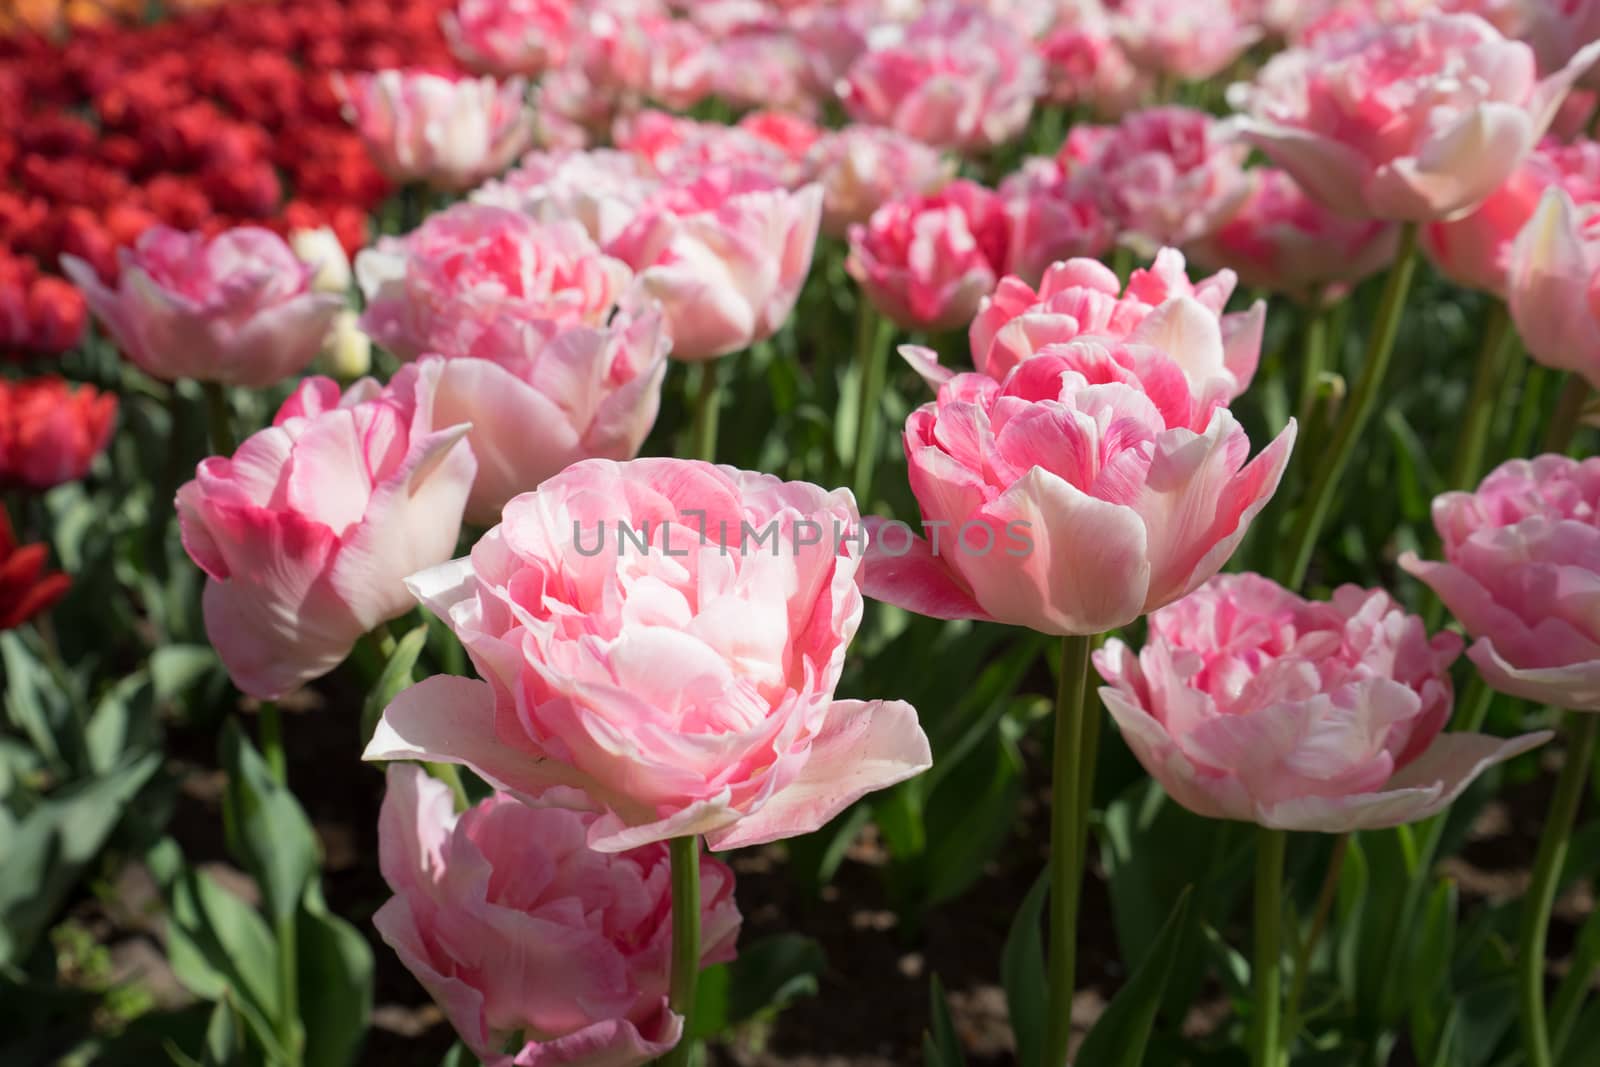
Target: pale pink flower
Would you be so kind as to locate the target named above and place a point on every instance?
(601, 189)
(1160, 307)
(1552, 282)
(1416, 121)
(764, 68)
(725, 254)
(1475, 250)
(238, 308)
(1054, 216)
(959, 80)
(1559, 29)
(861, 168)
(1188, 39)
(450, 133)
(1084, 64)
(641, 53)
(1248, 702)
(679, 149)
(444, 287)
(1521, 572)
(570, 111)
(1093, 484)
(1165, 175)
(308, 530)
(648, 660)
(926, 262)
(540, 402)
(538, 949)
(1281, 240)
(511, 37)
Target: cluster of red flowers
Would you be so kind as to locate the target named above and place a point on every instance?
(202, 122)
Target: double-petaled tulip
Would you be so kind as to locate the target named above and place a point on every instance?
(601, 189)
(238, 308)
(542, 402)
(1554, 285)
(1282, 240)
(1165, 175)
(1054, 216)
(51, 430)
(725, 254)
(1413, 121)
(927, 261)
(1084, 64)
(1082, 297)
(27, 588)
(539, 949)
(1248, 702)
(446, 287)
(1521, 572)
(308, 530)
(956, 78)
(1187, 39)
(660, 641)
(447, 132)
(1094, 483)
(511, 37)
(1475, 250)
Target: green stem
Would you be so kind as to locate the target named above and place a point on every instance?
(1314, 363)
(1358, 409)
(1319, 921)
(1264, 1040)
(707, 410)
(1067, 832)
(1553, 841)
(290, 1033)
(220, 418)
(1122, 263)
(272, 741)
(685, 942)
(1530, 410)
(1569, 410)
(872, 361)
(1499, 341)
(383, 637)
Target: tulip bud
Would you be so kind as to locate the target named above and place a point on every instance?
(347, 351)
(320, 248)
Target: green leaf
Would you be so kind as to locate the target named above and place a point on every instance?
(939, 1045)
(765, 977)
(459, 1056)
(335, 980)
(265, 827)
(1022, 971)
(222, 1048)
(395, 677)
(1123, 1030)
(175, 669)
(973, 815)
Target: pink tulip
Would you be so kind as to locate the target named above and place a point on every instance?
(1165, 175)
(1188, 39)
(1417, 121)
(601, 189)
(239, 308)
(1281, 240)
(725, 254)
(1093, 484)
(956, 79)
(540, 403)
(445, 287)
(1084, 64)
(640, 52)
(1559, 29)
(449, 133)
(308, 530)
(539, 950)
(861, 168)
(928, 261)
(1554, 267)
(570, 111)
(1250, 703)
(1520, 573)
(661, 640)
(764, 68)
(1082, 298)
(1475, 250)
(1054, 216)
(679, 149)
(511, 37)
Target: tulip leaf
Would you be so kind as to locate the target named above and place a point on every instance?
(1022, 971)
(766, 977)
(940, 1048)
(336, 974)
(222, 1047)
(396, 676)
(1123, 1030)
(265, 827)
